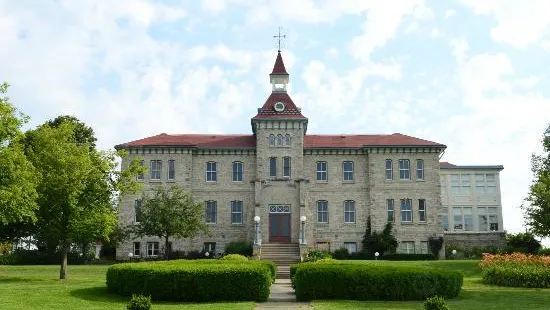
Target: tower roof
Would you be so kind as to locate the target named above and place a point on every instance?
(279, 67)
(268, 110)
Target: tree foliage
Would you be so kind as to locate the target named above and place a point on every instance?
(170, 212)
(381, 242)
(522, 242)
(537, 203)
(17, 175)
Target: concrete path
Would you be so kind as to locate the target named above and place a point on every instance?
(282, 297)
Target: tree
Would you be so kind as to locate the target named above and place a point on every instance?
(522, 242)
(78, 187)
(17, 175)
(537, 204)
(378, 242)
(170, 212)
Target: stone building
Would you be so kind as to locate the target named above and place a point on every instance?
(291, 182)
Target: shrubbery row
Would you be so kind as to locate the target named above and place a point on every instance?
(200, 280)
(516, 269)
(372, 282)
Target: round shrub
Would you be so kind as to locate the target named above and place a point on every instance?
(139, 302)
(435, 303)
(192, 280)
(235, 257)
(373, 282)
(341, 253)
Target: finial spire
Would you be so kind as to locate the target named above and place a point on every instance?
(279, 38)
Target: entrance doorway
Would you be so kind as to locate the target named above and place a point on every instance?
(279, 223)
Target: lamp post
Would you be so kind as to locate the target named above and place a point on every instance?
(454, 253)
(302, 229)
(258, 240)
(376, 254)
(130, 255)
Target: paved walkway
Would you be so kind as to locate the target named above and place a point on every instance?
(282, 297)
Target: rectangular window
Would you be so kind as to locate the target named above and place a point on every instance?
(351, 246)
(407, 247)
(445, 222)
(406, 210)
(480, 184)
(211, 173)
(493, 219)
(389, 169)
(273, 167)
(137, 211)
(137, 249)
(322, 211)
(171, 169)
(349, 211)
(391, 210)
(465, 182)
(322, 174)
(348, 171)
(211, 210)
(156, 167)
(483, 220)
(236, 212)
(455, 183)
(404, 169)
(237, 171)
(422, 210)
(286, 167)
(424, 247)
(323, 246)
(140, 176)
(491, 183)
(462, 218)
(468, 219)
(419, 169)
(209, 247)
(457, 218)
(152, 248)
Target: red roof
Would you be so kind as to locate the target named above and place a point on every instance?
(268, 109)
(249, 141)
(279, 67)
(447, 165)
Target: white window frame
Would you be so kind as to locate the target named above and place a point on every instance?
(422, 214)
(444, 221)
(238, 172)
(322, 211)
(404, 169)
(351, 247)
(462, 216)
(420, 169)
(320, 172)
(171, 170)
(287, 167)
(406, 208)
(137, 208)
(491, 181)
(389, 170)
(136, 251)
(153, 249)
(272, 167)
(236, 210)
(141, 176)
(211, 207)
(349, 212)
(279, 140)
(211, 172)
(209, 246)
(407, 247)
(349, 172)
(156, 169)
(390, 208)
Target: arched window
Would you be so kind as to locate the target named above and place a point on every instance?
(279, 140)
(287, 140)
(271, 140)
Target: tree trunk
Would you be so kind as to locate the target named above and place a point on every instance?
(63, 271)
(166, 248)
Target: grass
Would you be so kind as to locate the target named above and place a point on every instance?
(38, 287)
(474, 295)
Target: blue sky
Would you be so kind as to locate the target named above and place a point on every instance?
(472, 74)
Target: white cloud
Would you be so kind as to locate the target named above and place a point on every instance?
(449, 13)
(460, 47)
(545, 45)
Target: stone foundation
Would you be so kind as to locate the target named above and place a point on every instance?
(469, 241)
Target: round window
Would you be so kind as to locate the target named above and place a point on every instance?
(279, 106)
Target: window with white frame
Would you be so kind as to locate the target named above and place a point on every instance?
(286, 167)
(460, 183)
(237, 171)
(209, 247)
(351, 247)
(491, 183)
(236, 212)
(465, 183)
(389, 169)
(273, 167)
(287, 140)
(152, 248)
(171, 169)
(480, 184)
(422, 210)
(406, 210)
(137, 249)
(424, 247)
(391, 210)
(322, 211)
(279, 140)
(211, 211)
(404, 169)
(444, 221)
(493, 218)
(156, 167)
(140, 176)
(487, 218)
(271, 140)
(137, 211)
(349, 211)
(455, 183)
(462, 218)
(322, 174)
(419, 169)
(407, 247)
(211, 172)
(348, 170)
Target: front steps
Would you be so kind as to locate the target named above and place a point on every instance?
(283, 255)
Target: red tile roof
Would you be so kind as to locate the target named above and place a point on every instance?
(279, 67)
(249, 141)
(268, 111)
(445, 164)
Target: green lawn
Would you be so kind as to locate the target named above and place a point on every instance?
(37, 287)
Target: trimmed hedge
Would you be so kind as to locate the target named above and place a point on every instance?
(373, 282)
(408, 257)
(35, 257)
(517, 276)
(196, 281)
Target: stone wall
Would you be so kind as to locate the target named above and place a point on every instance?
(469, 241)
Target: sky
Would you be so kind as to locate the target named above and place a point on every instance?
(471, 74)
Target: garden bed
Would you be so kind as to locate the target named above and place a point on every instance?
(516, 270)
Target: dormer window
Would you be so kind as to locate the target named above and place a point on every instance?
(279, 106)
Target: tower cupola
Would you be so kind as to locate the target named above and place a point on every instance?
(279, 77)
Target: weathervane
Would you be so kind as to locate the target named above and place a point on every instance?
(279, 38)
